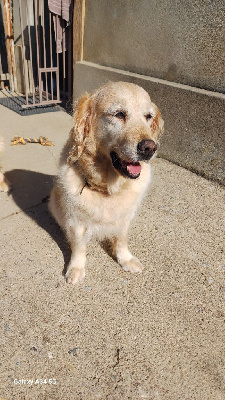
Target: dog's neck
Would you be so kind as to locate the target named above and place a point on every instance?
(98, 173)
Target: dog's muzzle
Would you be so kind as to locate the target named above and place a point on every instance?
(132, 169)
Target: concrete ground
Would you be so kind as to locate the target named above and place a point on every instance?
(156, 336)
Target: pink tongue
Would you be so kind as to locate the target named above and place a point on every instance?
(134, 169)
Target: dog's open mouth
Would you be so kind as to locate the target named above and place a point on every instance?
(129, 169)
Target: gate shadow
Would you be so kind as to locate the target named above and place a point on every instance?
(30, 191)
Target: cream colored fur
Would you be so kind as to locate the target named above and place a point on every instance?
(90, 197)
(4, 183)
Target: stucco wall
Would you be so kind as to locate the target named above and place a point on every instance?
(194, 118)
(178, 41)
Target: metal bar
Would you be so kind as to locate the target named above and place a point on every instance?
(53, 69)
(64, 62)
(41, 86)
(41, 61)
(30, 49)
(34, 55)
(51, 53)
(57, 58)
(42, 103)
(10, 39)
(44, 44)
(1, 71)
(23, 52)
(70, 79)
(70, 53)
(2, 76)
(36, 7)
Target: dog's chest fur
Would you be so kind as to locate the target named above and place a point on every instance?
(99, 210)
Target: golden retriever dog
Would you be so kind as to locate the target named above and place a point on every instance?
(4, 183)
(105, 171)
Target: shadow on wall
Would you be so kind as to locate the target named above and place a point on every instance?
(29, 189)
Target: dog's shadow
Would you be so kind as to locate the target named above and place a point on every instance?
(29, 190)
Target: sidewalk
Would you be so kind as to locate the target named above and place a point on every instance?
(156, 336)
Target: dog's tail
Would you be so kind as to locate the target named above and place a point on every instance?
(4, 183)
(2, 145)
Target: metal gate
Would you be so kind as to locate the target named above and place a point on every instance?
(45, 43)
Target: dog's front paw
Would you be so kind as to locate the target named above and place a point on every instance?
(133, 265)
(75, 275)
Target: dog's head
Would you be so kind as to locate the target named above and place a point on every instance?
(120, 122)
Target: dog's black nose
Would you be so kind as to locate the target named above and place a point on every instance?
(146, 148)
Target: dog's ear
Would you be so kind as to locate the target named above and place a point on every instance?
(161, 125)
(157, 124)
(83, 119)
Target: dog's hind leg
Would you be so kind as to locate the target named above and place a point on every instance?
(4, 183)
(76, 234)
(55, 207)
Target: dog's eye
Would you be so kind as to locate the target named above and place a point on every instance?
(121, 115)
(148, 116)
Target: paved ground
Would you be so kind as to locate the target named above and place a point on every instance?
(155, 336)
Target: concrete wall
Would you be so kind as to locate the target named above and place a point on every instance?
(180, 41)
(175, 50)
